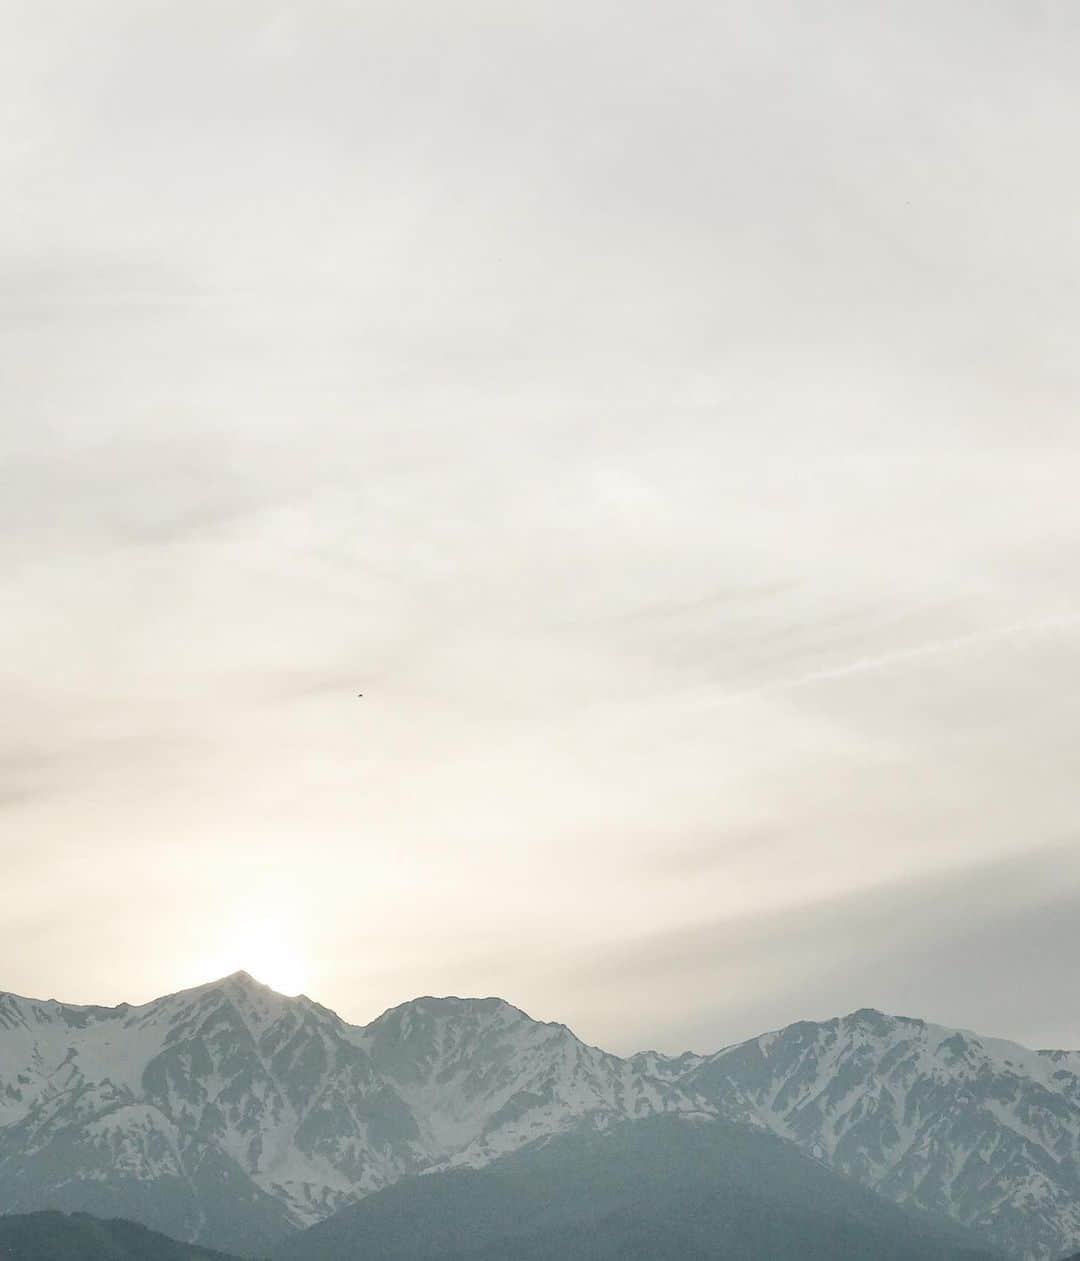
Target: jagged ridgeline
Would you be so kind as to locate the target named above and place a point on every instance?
(232, 1116)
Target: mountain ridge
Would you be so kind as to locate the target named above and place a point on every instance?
(229, 1084)
(232, 1115)
(981, 1129)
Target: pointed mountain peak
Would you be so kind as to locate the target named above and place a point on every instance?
(245, 980)
(869, 1019)
(242, 980)
(239, 986)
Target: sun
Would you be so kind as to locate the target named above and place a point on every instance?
(260, 947)
(276, 965)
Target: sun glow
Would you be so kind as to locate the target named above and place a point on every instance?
(262, 948)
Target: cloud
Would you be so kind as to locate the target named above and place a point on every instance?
(985, 947)
(670, 425)
(1015, 631)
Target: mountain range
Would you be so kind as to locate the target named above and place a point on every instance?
(233, 1117)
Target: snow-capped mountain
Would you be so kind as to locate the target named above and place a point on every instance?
(230, 1115)
(481, 1078)
(977, 1129)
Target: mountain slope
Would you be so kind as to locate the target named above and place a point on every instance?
(666, 1187)
(483, 1078)
(984, 1131)
(58, 1237)
(230, 1115)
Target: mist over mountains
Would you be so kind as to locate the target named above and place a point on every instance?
(233, 1117)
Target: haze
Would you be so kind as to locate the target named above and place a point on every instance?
(665, 416)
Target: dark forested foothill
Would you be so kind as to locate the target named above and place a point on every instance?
(54, 1236)
(662, 1189)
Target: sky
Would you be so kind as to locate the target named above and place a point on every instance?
(665, 415)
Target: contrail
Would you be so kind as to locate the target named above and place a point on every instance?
(868, 665)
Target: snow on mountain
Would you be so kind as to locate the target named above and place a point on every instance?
(978, 1129)
(230, 1115)
(669, 1068)
(482, 1078)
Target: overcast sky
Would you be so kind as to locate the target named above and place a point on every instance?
(668, 415)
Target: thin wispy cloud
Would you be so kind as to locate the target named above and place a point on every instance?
(1013, 633)
(667, 423)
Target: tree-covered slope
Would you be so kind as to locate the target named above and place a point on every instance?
(657, 1189)
(52, 1236)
